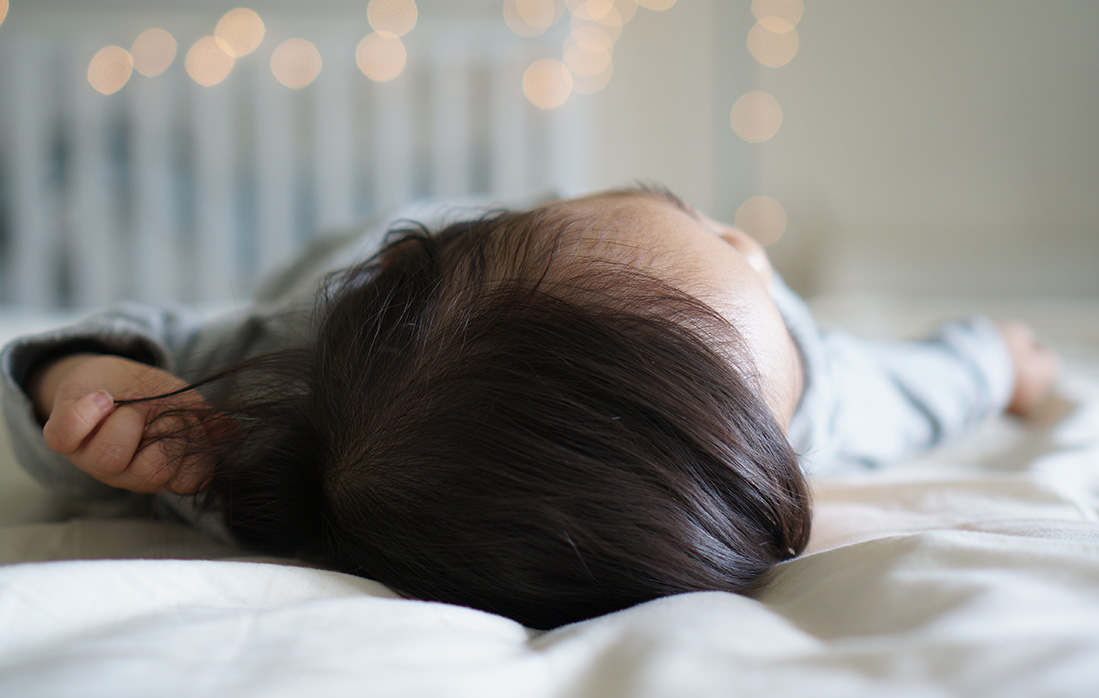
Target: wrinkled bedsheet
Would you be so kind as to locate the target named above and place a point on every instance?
(971, 571)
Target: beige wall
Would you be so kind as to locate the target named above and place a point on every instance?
(658, 117)
(937, 145)
(927, 145)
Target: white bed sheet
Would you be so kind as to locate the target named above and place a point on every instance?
(970, 571)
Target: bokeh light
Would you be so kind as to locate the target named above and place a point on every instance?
(612, 20)
(658, 5)
(773, 49)
(392, 18)
(207, 63)
(296, 63)
(626, 9)
(381, 58)
(763, 218)
(3, 10)
(756, 117)
(589, 84)
(594, 10)
(587, 58)
(530, 17)
(153, 51)
(239, 32)
(581, 28)
(110, 69)
(547, 83)
(778, 15)
(588, 33)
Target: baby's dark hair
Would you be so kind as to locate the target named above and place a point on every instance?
(488, 416)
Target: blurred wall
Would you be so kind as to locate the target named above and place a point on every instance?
(931, 146)
(934, 146)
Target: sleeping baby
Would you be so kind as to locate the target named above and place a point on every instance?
(548, 414)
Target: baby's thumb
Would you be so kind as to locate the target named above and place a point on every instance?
(70, 424)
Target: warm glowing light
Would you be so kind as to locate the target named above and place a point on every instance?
(591, 33)
(594, 10)
(613, 20)
(778, 15)
(153, 50)
(588, 84)
(756, 117)
(772, 49)
(626, 9)
(586, 59)
(658, 5)
(110, 69)
(530, 17)
(381, 58)
(547, 83)
(763, 218)
(207, 63)
(776, 24)
(3, 10)
(392, 18)
(296, 63)
(239, 32)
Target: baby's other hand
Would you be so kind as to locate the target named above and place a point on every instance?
(117, 444)
(1036, 367)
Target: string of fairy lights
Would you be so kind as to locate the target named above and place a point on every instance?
(295, 62)
(585, 64)
(587, 53)
(757, 116)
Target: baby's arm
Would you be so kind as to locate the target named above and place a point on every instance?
(872, 402)
(160, 342)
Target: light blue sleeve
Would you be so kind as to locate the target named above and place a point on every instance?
(869, 402)
(174, 339)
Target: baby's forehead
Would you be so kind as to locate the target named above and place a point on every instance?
(631, 201)
(624, 224)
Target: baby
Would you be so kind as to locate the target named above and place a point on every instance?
(548, 414)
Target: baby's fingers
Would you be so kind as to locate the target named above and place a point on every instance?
(158, 467)
(130, 454)
(108, 454)
(67, 428)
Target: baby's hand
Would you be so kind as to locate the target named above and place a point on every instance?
(1036, 367)
(105, 440)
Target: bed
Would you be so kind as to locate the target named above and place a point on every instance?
(972, 571)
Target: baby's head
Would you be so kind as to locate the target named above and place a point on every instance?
(550, 415)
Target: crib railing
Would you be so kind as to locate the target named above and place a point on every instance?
(170, 191)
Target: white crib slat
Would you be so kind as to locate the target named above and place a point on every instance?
(451, 134)
(334, 166)
(213, 275)
(91, 218)
(155, 258)
(393, 164)
(274, 150)
(33, 279)
(508, 139)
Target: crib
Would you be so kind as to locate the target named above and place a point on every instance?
(168, 190)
